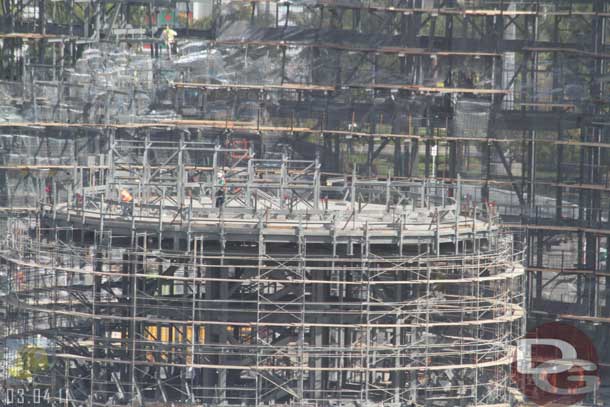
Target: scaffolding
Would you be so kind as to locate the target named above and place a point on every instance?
(286, 291)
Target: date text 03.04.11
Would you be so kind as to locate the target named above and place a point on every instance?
(26, 396)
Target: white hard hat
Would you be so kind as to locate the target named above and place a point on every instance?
(220, 174)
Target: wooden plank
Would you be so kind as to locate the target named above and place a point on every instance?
(29, 36)
(286, 86)
(253, 127)
(307, 87)
(436, 10)
(380, 50)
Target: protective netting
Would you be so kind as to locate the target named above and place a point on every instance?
(21, 187)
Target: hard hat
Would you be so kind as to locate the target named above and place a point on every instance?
(220, 174)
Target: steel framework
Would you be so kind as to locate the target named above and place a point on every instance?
(510, 97)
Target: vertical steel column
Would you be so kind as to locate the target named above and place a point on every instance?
(598, 30)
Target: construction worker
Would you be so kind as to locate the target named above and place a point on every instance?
(126, 200)
(220, 192)
(48, 189)
(169, 38)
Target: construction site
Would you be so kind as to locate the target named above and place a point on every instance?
(299, 203)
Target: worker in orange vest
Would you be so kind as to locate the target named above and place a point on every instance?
(126, 200)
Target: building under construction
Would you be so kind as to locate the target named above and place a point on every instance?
(316, 190)
(286, 292)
